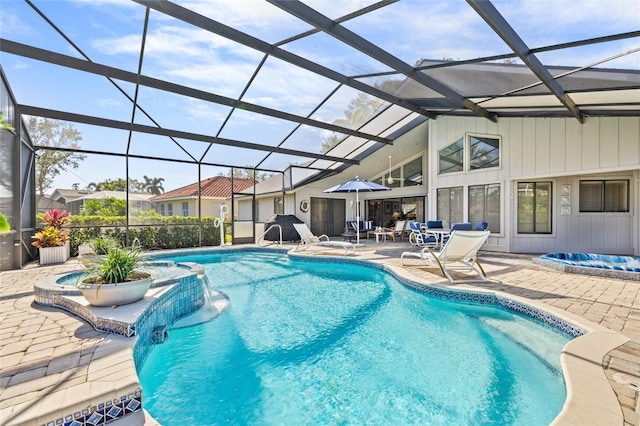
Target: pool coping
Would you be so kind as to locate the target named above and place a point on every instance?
(590, 398)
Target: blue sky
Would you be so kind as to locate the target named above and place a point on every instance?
(110, 33)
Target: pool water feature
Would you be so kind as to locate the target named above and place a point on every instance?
(308, 342)
(604, 265)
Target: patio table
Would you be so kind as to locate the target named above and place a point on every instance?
(384, 234)
(439, 233)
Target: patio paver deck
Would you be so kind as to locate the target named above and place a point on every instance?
(45, 351)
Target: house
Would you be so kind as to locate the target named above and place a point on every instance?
(215, 192)
(543, 184)
(62, 195)
(74, 200)
(47, 203)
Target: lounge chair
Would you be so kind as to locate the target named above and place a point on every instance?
(307, 239)
(461, 247)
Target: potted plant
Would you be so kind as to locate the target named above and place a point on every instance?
(52, 241)
(114, 279)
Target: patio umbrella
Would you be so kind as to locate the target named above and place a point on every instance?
(356, 185)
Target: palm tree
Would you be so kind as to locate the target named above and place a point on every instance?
(153, 185)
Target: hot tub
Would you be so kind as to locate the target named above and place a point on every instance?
(603, 265)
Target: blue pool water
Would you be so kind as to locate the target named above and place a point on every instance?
(600, 261)
(312, 343)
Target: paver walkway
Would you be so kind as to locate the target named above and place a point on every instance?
(43, 350)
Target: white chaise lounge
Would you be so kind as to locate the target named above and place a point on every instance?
(307, 239)
(462, 247)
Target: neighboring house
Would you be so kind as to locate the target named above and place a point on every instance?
(137, 202)
(73, 200)
(66, 195)
(269, 200)
(214, 192)
(47, 203)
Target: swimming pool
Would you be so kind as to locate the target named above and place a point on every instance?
(310, 342)
(604, 265)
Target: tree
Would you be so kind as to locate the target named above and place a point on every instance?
(120, 184)
(7, 133)
(5, 125)
(247, 173)
(153, 185)
(108, 206)
(108, 185)
(361, 109)
(50, 163)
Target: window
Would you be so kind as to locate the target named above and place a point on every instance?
(413, 172)
(604, 195)
(484, 152)
(278, 205)
(185, 209)
(162, 209)
(484, 205)
(397, 179)
(169, 209)
(534, 207)
(407, 174)
(450, 204)
(451, 158)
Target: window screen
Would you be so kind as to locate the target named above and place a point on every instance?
(484, 152)
(451, 158)
(484, 205)
(604, 196)
(534, 207)
(449, 205)
(413, 172)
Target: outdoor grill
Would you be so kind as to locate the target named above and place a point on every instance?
(286, 221)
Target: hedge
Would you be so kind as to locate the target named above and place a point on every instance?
(169, 232)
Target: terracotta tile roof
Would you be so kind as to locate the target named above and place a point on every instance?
(217, 186)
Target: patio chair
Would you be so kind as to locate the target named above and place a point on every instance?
(420, 239)
(361, 227)
(434, 224)
(459, 226)
(307, 239)
(481, 225)
(462, 247)
(399, 229)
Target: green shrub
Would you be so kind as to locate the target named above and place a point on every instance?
(102, 245)
(158, 232)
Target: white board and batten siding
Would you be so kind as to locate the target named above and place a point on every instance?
(562, 151)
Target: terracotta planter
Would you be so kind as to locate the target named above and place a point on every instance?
(115, 294)
(58, 254)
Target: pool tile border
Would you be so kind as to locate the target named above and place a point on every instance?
(102, 413)
(164, 311)
(466, 296)
(183, 295)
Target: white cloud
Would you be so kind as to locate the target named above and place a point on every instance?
(109, 103)
(20, 65)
